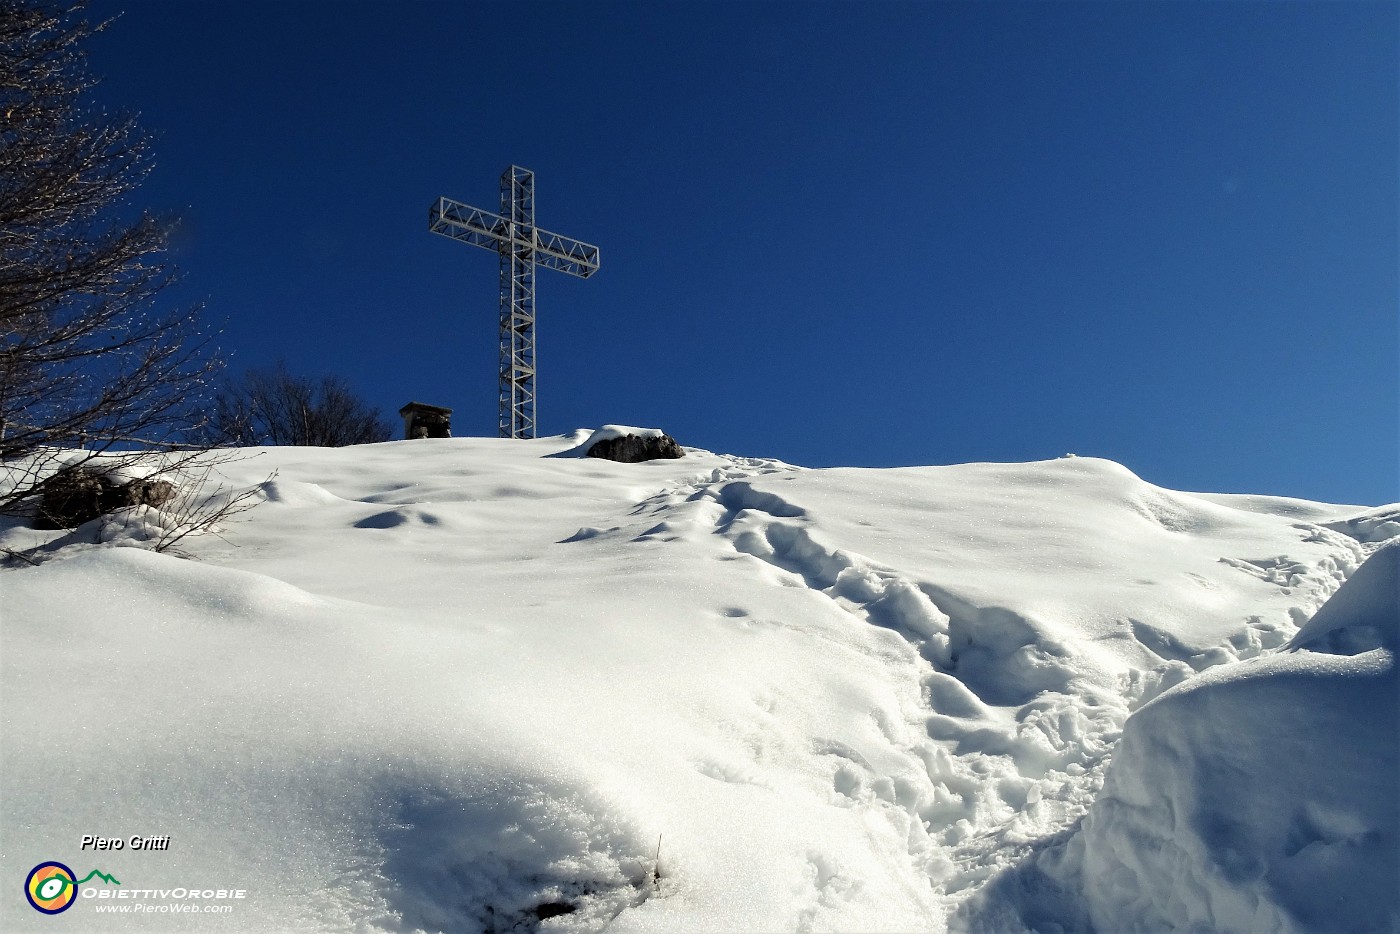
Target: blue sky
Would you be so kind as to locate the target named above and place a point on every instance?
(867, 233)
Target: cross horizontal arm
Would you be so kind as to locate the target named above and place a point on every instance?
(471, 225)
(566, 255)
(489, 231)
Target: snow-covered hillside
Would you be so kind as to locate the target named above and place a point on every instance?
(478, 685)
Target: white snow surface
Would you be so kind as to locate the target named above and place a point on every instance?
(470, 685)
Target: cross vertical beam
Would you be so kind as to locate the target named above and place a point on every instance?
(516, 402)
(521, 247)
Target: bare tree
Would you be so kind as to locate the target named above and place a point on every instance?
(271, 406)
(85, 358)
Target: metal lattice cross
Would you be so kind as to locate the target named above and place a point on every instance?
(522, 246)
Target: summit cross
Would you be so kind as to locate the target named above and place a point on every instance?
(521, 246)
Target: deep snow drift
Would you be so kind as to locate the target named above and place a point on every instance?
(1266, 795)
(462, 684)
(1263, 796)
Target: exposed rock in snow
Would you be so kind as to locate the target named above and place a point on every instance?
(631, 445)
(76, 495)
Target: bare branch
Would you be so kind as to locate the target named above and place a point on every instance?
(86, 360)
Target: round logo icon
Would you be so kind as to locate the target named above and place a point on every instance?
(51, 888)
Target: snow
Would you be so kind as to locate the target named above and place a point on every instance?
(1362, 615)
(1260, 796)
(468, 684)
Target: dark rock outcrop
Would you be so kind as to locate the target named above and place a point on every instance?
(143, 493)
(76, 495)
(630, 449)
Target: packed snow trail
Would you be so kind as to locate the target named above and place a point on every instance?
(1015, 732)
(466, 684)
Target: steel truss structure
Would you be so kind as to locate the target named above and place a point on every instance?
(521, 246)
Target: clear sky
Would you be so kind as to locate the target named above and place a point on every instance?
(871, 233)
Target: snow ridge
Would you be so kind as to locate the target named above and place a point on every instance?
(479, 681)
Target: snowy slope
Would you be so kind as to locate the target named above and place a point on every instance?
(466, 684)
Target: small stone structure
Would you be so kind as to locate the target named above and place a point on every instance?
(426, 421)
